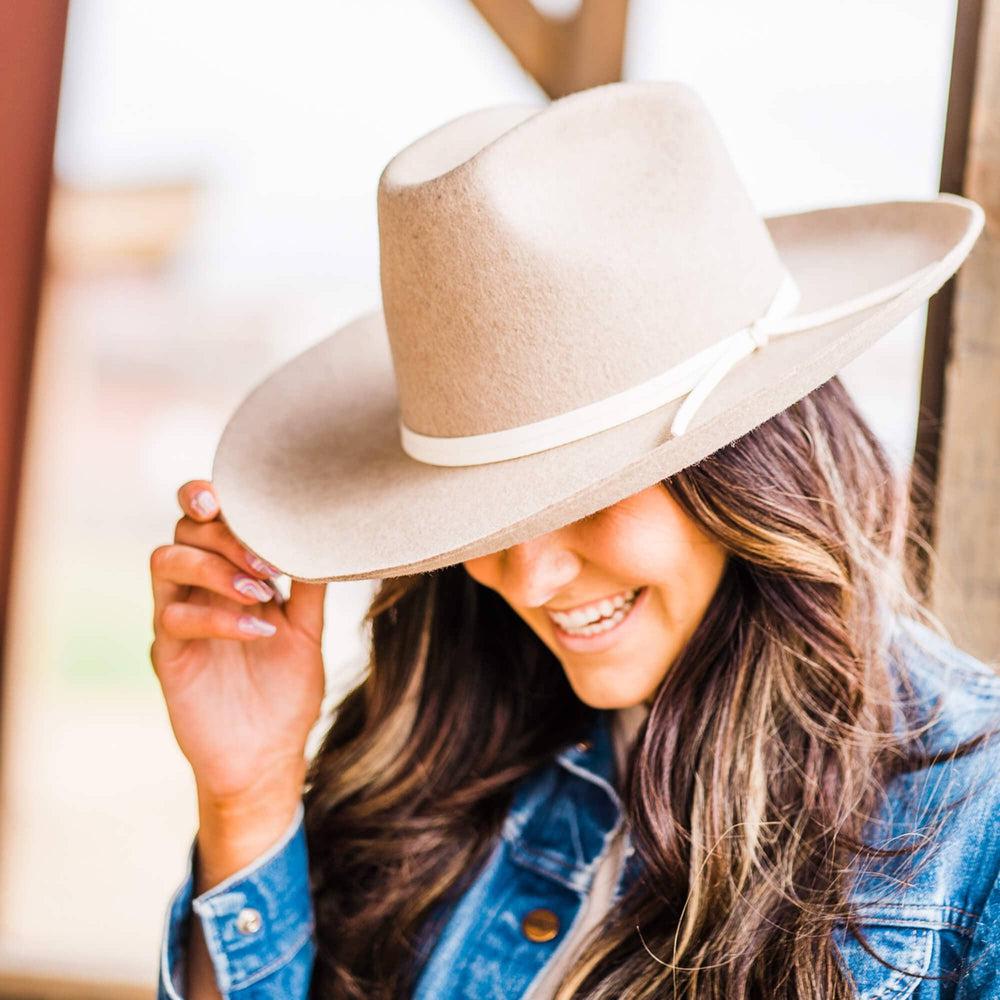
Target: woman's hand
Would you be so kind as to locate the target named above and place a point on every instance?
(241, 670)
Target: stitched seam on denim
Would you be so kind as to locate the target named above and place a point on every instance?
(512, 827)
(524, 861)
(958, 909)
(594, 779)
(276, 963)
(520, 849)
(934, 906)
(899, 981)
(216, 951)
(559, 859)
(517, 842)
(966, 926)
(917, 924)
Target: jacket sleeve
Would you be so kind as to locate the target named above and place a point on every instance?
(258, 925)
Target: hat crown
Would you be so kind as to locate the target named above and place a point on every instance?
(535, 261)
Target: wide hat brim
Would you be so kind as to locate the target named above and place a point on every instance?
(311, 476)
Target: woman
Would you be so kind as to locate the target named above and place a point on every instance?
(644, 715)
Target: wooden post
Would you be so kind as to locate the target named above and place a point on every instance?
(31, 49)
(963, 355)
(563, 54)
(937, 335)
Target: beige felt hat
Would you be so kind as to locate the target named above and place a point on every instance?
(578, 300)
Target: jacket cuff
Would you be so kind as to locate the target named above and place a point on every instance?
(173, 945)
(254, 922)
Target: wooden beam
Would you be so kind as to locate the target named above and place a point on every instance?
(937, 337)
(32, 33)
(40, 987)
(563, 54)
(965, 578)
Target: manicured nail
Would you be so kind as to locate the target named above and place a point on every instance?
(258, 564)
(250, 587)
(204, 503)
(255, 626)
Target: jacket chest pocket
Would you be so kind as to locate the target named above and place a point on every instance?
(907, 954)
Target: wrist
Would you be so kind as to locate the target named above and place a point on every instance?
(233, 831)
(271, 789)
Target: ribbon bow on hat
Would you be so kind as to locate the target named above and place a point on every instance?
(694, 379)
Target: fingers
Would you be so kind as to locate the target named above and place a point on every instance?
(203, 621)
(304, 607)
(206, 554)
(175, 566)
(215, 536)
(198, 501)
(200, 505)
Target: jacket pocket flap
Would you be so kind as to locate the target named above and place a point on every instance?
(904, 956)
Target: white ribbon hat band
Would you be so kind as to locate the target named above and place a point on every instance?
(694, 378)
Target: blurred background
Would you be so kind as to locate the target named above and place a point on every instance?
(212, 213)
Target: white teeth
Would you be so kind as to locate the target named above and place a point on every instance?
(602, 626)
(594, 618)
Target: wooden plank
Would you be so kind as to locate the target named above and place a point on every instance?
(937, 337)
(965, 583)
(563, 54)
(31, 48)
(27, 987)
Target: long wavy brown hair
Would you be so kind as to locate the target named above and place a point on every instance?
(769, 743)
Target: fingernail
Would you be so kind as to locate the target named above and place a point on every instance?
(258, 564)
(204, 503)
(250, 587)
(255, 626)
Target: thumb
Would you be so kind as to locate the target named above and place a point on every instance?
(304, 607)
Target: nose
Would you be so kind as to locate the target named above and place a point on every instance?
(533, 572)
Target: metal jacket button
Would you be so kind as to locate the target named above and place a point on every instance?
(540, 925)
(248, 921)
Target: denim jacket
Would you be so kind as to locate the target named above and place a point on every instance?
(258, 923)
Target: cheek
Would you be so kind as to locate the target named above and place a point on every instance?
(681, 564)
(483, 570)
(697, 577)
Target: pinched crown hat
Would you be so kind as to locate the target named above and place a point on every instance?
(578, 300)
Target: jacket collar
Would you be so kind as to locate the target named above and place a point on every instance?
(593, 758)
(564, 814)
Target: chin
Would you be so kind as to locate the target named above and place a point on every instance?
(610, 692)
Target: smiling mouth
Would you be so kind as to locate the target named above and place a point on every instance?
(602, 616)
